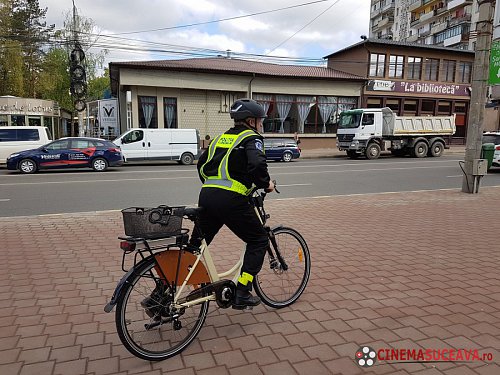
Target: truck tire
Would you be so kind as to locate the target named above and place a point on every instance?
(352, 154)
(420, 149)
(372, 151)
(437, 149)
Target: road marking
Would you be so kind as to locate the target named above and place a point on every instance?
(358, 164)
(280, 185)
(458, 175)
(4, 200)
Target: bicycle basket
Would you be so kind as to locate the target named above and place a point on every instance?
(151, 223)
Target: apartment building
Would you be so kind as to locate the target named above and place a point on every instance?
(446, 23)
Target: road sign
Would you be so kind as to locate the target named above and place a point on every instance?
(494, 78)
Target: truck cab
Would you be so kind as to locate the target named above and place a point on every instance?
(357, 127)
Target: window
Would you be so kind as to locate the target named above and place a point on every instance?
(170, 112)
(80, 143)
(444, 107)
(428, 106)
(396, 64)
(133, 136)
(374, 103)
(148, 112)
(377, 65)
(9, 135)
(464, 72)
(410, 106)
(448, 71)
(368, 119)
(431, 69)
(393, 104)
(414, 68)
(17, 120)
(58, 145)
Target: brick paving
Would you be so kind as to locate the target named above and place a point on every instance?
(401, 270)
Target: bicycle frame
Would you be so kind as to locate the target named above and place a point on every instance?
(204, 253)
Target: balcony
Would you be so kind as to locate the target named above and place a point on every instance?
(439, 27)
(458, 3)
(412, 38)
(375, 13)
(458, 20)
(389, 7)
(427, 16)
(453, 40)
(414, 5)
(385, 21)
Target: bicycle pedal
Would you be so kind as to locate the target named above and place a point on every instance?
(239, 307)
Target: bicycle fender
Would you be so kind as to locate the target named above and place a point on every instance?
(114, 298)
(279, 226)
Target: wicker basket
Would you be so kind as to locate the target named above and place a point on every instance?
(153, 223)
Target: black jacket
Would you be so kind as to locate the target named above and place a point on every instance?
(247, 162)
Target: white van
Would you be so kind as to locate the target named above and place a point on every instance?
(21, 138)
(141, 144)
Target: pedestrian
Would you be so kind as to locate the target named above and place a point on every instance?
(225, 191)
(296, 138)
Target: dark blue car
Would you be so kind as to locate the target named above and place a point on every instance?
(284, 149)
(76, 152)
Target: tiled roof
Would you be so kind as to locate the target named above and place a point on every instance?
(390, 42)
(238, 66)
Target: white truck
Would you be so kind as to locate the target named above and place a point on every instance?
(368, 131)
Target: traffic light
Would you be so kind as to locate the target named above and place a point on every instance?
(78, 85)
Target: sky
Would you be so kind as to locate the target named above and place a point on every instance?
(137, 30)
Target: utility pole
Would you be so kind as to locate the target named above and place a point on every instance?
(479, 92)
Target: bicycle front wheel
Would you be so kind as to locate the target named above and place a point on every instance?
(146, 323)
(275, 286)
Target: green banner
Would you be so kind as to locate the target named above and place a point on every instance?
(494, 78)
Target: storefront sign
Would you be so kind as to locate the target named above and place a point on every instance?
(412, 87)
(494, 76)
(108, 113)
(26, 108)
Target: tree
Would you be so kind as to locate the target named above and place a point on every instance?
(99, 87)
(30, 29)
(54, 78)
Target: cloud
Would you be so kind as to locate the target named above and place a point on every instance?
(338, 27)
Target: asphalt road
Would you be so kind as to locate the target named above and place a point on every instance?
(62, 191)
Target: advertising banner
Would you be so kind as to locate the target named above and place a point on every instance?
(418, 87)
(108, 116)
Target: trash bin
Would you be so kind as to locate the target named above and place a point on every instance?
(488, 151)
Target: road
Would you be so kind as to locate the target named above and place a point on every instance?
(62, 191)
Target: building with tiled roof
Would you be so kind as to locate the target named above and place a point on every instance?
(198, 92)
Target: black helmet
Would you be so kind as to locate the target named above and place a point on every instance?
(244, 108)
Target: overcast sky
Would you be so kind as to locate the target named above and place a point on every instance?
(339, 23)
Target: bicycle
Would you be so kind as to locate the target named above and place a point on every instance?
(162, 300)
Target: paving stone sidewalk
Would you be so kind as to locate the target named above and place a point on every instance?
(399, 270)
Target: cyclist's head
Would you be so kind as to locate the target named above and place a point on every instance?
(248, 112)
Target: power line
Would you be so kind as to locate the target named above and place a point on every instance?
(222, 19)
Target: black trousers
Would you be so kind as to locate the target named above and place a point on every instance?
(223, 207)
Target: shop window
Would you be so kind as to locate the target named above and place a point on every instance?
(148, 112)
(374, 103)
(414, 68)
(428, 106)
(393, 104)
(431, 69)
(444, 107)
(34, 121)
(17, 120)
(377, 65)
(170, 112)
(410, 107)
(396, 64)
(448, 71)
(3, 120)
(464, 72)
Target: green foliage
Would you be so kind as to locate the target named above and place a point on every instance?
(34, 57)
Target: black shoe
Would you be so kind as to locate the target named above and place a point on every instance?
(244, 299)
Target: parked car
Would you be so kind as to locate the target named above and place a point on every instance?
(284, 149)
(18, 138)
(70, 152)
(493, 137)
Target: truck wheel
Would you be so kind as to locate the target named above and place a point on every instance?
(187, 158)
(352, 154)
(372, 151)
(437, 149)
(420, 149)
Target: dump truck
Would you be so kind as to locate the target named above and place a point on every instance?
(368, 131)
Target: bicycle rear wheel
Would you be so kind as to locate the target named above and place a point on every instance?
(279, 288)
(155, 332)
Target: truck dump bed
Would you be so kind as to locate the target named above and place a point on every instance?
(417, 125)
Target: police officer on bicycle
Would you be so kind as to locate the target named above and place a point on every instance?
(232, 165)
